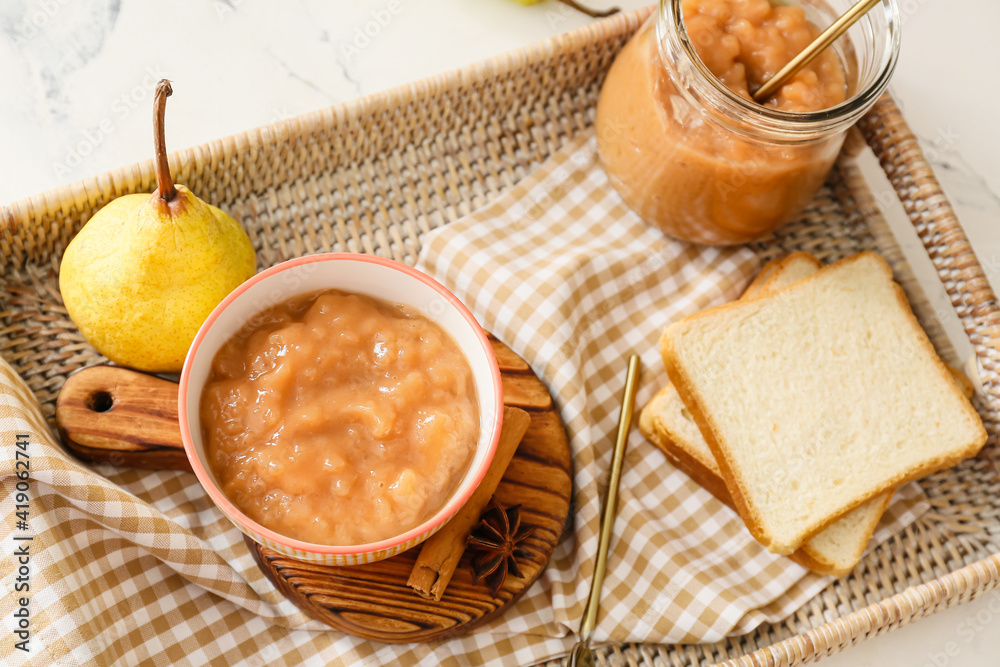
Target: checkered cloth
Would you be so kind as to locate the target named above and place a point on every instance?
(136, 567)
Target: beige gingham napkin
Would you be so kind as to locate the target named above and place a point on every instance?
(136, 567)
(565, 274)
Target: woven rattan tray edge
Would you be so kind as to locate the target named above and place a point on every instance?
(885, 132)
(90, 194)
(897, 611)
(942, 236)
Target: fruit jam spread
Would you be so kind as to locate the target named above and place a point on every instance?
(339, 419)
(686, 168)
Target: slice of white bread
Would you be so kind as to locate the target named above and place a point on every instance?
(666, 423)
(818, 398)
(756, 285)
(782, 271)
(835, 551)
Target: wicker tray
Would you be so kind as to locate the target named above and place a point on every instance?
(374, 175)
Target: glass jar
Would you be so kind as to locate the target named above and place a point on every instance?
(704, 164)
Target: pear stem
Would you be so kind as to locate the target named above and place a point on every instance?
(164, 184)
(592, 13)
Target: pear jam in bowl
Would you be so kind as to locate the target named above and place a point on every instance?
(690, 151)
(338, 418)
(344, 410)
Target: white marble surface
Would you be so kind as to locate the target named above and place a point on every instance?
(77, 79)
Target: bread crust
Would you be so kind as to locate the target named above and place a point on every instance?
(764, 281)
(693, 403)
(964, 383)
(655, 431)
(735, 483)
(756, 285)
(813, 560)
(677, 449)
(674, 446)
(770, 284)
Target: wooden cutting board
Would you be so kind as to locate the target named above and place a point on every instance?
(113, 415)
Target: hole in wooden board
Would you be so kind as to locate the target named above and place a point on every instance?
(100, 401)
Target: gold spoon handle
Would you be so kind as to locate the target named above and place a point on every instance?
(825, 39)
(611, 501)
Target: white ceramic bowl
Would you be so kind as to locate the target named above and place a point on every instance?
(360, 274)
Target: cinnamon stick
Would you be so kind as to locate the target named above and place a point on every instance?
(440, 554)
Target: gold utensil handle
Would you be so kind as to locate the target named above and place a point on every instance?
(825, 39)
(611, 501)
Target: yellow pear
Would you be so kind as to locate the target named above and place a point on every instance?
(145, 272)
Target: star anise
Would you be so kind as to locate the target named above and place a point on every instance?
(496, 539)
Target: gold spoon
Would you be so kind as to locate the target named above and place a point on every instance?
(581, 655)
(825, 39)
